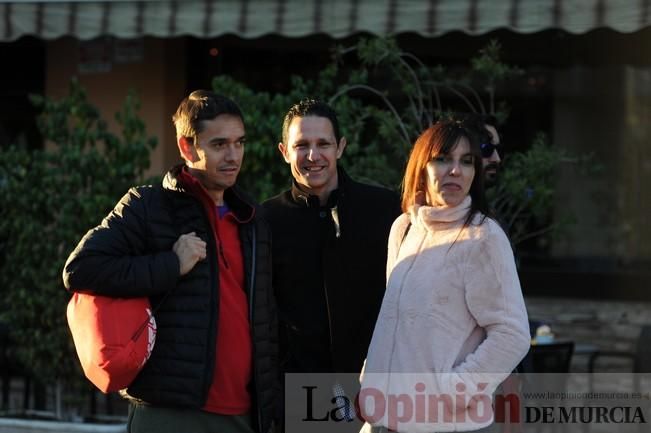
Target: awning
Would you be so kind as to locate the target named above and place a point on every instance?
(295, 18)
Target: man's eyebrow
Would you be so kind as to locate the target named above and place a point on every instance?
(222, 139)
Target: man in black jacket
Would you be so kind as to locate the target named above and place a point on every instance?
(329, 248)
(197, 248)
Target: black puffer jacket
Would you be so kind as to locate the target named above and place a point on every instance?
(130, 254)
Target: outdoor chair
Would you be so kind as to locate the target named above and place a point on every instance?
(640, 363)
(549, 358)
(641, 357)
(546, 358)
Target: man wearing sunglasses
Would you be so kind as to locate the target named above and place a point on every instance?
(490, 149)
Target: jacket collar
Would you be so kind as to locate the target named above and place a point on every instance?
(179, 179)
(301, 197)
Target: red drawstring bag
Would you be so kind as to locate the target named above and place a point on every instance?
(113, 337)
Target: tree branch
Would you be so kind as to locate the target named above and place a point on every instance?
(388, 103)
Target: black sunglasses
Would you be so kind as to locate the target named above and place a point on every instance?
(487, 149)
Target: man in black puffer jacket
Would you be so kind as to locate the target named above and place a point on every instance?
(197, 246)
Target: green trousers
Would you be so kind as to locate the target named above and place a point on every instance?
(151, 419)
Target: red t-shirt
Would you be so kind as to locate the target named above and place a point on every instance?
(228, 393)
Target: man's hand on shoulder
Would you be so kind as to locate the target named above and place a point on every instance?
(190, 249)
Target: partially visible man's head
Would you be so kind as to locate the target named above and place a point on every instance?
(311, 145)
(490, 150)
(210, 137)
(485, 127)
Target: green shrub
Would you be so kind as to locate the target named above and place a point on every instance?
(48, 198)
(383, 103)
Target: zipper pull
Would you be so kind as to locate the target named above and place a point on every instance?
(335, 218)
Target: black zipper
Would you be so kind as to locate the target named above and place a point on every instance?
(332, 356)
(327, 300)
(334, 213)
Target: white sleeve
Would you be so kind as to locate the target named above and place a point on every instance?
(494, 298)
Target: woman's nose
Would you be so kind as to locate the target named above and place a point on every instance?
(455, 168)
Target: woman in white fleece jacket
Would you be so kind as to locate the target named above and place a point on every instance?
(453, 323)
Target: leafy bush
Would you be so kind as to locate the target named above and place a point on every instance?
(48, 198)
(383, 104)
(264, 172)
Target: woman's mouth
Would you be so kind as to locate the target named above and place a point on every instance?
(452, 187)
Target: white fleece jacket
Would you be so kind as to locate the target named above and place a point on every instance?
(452, 323)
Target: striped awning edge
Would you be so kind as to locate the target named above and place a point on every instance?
(296, 18)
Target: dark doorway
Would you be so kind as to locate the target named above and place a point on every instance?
(22, 74)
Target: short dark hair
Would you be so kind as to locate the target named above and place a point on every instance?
(476, 123)
(311, 107)
(198, 106)
(491, 120)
